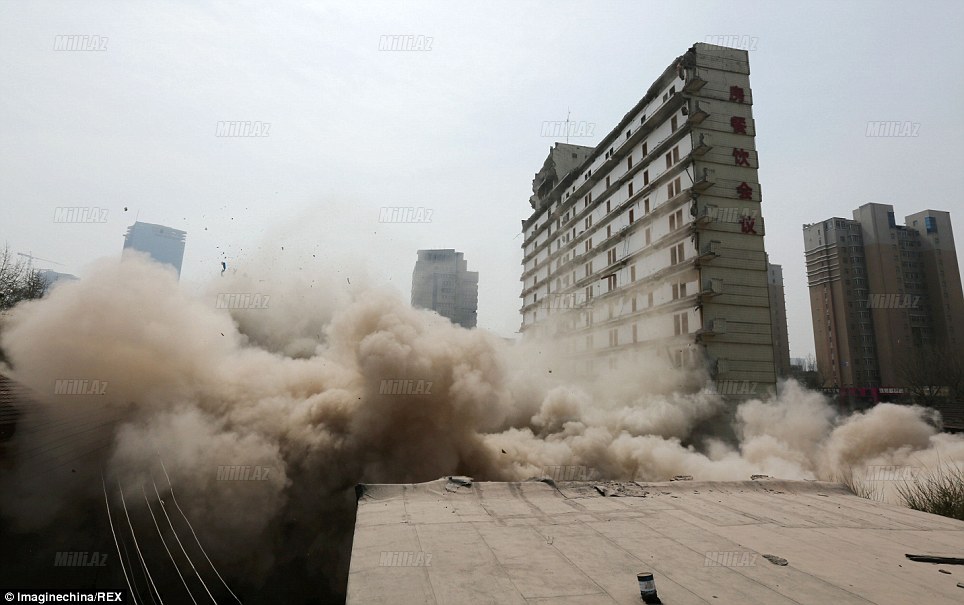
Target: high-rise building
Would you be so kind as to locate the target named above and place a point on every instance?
(880, 291)
(164, 244)
(778, 320)
(653, 239)
(442, 282)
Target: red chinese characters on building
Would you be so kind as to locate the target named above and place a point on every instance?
(741, 157)
(736, 93)
(745, 191)
(738, 124)
(747, 225)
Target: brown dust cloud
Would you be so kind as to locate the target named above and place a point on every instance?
(292, 392)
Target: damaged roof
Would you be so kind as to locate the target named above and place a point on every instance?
(767, 541)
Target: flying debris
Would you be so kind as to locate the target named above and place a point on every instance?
(224, 267)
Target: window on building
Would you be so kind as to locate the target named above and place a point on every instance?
(649, 300)
(645, 149)
(646, 206)
(632, 273)
(609, 231)
(611, 256)
(629, 162)
(608, 205)
(588, 268)
(613, 337)
(608, 184)
(587, 221)
(645, 177)
(672, 124)
(669, 160)
(630, 189)
(631, 215)
(681, 324)
(647, 236)
(634, 333)
(611, 283)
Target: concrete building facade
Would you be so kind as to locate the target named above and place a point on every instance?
(442, 282)
(880, 291)
(653, 239)
(778, 320)
(164, 244)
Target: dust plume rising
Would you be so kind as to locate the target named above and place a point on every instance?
(296, 391)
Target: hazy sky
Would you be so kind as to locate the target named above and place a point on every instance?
(456, 128)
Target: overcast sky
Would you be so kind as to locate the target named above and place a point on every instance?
(456, 128)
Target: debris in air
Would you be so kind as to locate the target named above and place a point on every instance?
(775, 559)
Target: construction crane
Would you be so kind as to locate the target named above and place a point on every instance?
(30, 258)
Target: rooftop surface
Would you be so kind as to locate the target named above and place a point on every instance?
(458, 541)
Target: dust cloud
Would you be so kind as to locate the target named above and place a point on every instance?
(296, 390)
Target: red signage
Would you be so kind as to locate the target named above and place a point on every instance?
(747, 224)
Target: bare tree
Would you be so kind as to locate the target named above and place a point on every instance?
(931, 375)
(18, 280)
(807, 373)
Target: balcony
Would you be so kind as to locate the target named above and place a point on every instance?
(705, 181)
(702, 145)
(710, 250)
(695, 114)
(712, 287)
(694, 84)
(713, 327)
(706, 215)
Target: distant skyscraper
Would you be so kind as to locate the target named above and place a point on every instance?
(442, 282)
(778, 321)
(164, 244)
(879, 291)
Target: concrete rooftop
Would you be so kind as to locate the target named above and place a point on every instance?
(458, 541)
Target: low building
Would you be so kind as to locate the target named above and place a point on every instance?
(768, 541)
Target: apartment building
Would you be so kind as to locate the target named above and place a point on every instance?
(653, 239)
(778, 320)
(442, 282)
(880, 291)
